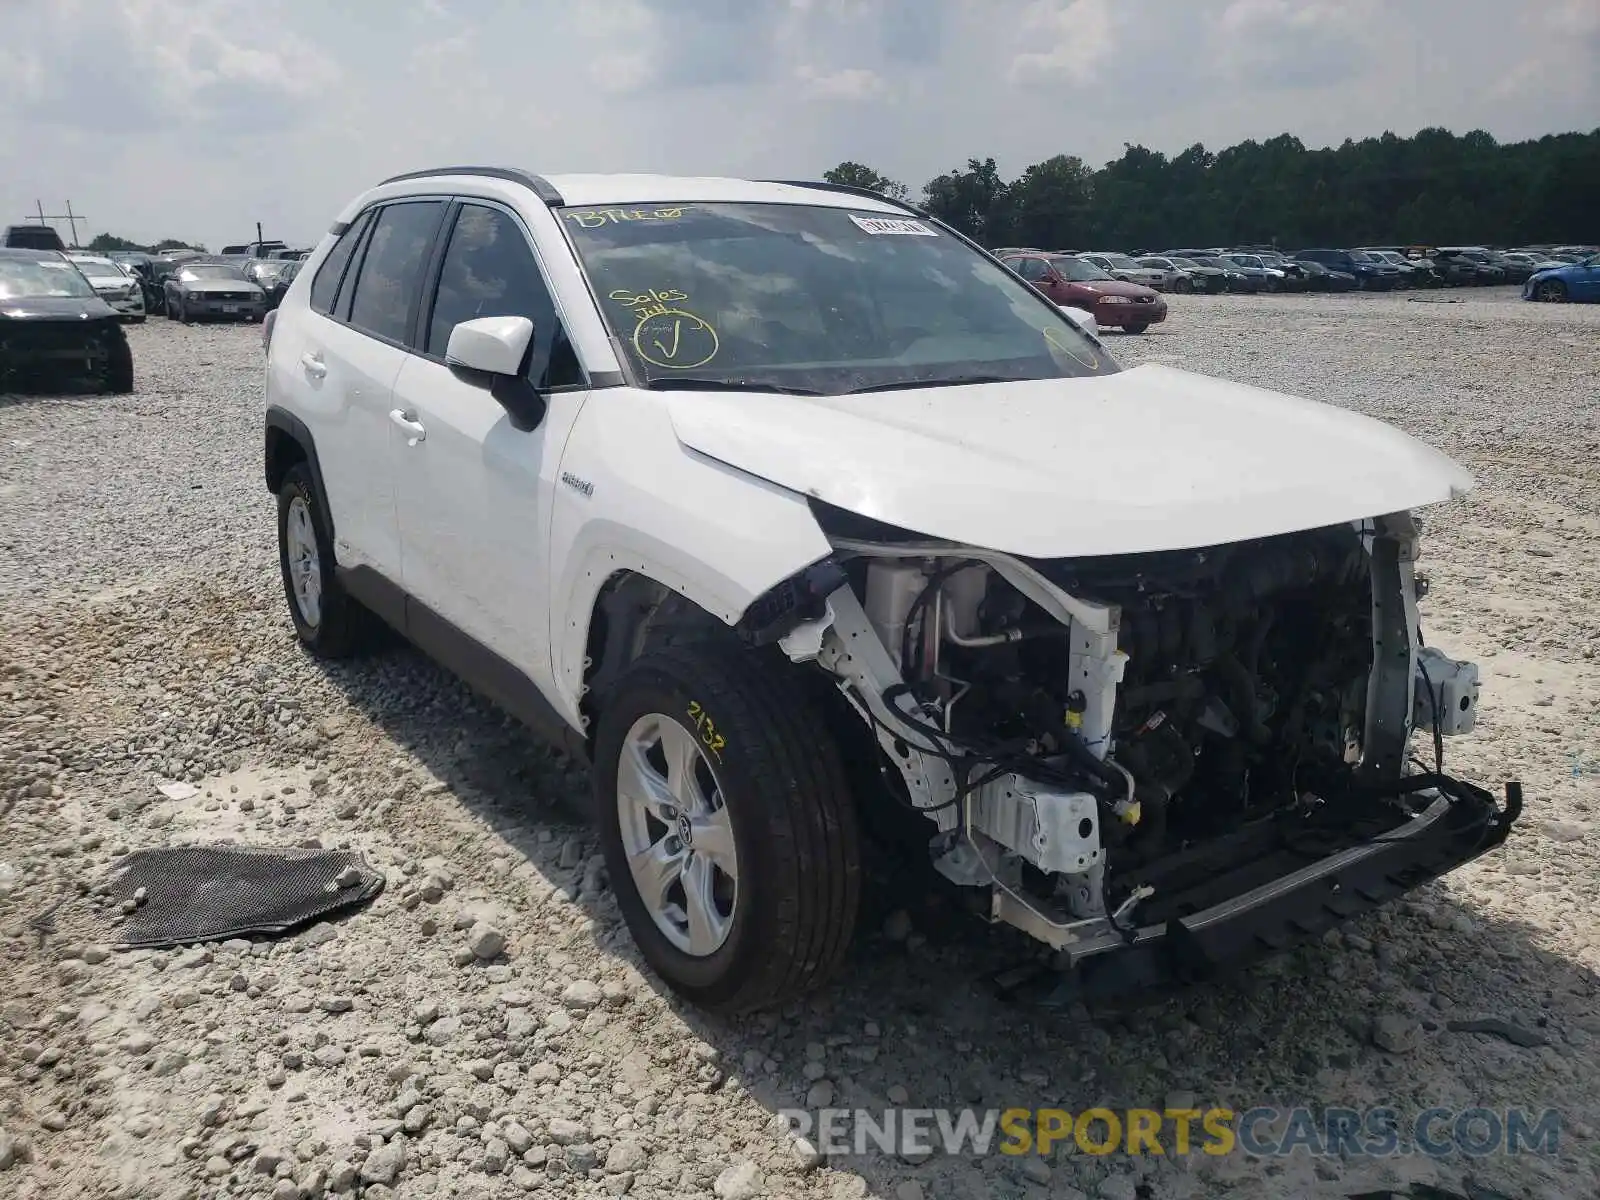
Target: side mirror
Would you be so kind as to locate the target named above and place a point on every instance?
(492, 352)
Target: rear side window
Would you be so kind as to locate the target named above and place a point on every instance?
(1029, 268)
(389, 281)
(325, 287)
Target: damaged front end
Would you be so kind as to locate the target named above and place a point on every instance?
(1156, 764)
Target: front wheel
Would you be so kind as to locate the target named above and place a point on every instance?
(728, 829)
(1182, 286)
(1139, 328)
(119, 366)
(1552, 291)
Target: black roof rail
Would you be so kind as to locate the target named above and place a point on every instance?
(848, 189)
(538, 184)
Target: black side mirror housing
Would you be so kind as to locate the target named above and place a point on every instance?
(523, 403)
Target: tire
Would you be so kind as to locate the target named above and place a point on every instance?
(1551, 291)
(1139, 328)
(763, 750)
(136, 320)
(170, 312)
(119, 367)
(1182, 286)
(336, 625)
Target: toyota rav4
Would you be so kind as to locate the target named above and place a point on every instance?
(804, 522)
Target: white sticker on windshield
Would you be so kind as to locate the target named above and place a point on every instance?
(894, 225)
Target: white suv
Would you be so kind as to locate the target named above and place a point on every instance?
(803, 521)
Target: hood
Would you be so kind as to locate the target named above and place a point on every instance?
(220, 285)
(1151, 458)
(1117, 287)
(56, 308)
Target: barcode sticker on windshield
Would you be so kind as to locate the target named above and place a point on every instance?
(894, 225)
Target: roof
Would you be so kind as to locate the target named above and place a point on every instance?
(584, 191)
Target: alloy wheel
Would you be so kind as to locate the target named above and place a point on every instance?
(677, 835)
(305, 565)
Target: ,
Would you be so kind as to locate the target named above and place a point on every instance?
(114, 284)
(791, 511)
(1076, 283)
(55, 328)
(1579, 281)
(203, 288)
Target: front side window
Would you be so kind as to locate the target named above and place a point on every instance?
(389, 280)
(810, 298)
(489, 270)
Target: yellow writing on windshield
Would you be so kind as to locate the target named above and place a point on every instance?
(594, 218)
(650, 303)
(1075, 353)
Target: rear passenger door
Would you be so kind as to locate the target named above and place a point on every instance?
(366, 300)
(473, 492)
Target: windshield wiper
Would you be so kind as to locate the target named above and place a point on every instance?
(691, 383)
(948, 381)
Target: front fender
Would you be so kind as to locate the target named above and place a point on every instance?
(631, 497)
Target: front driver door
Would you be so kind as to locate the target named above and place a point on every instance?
(1586, 280)
(474, 493)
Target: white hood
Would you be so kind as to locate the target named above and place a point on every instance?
(1151, 458)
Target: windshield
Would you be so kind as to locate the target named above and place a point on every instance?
(24, 278)
(99, 269)
(1218, 263)
(1119, 260)
(1078, 271)
(210, 271)
(815, 299)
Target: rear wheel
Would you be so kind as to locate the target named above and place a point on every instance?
(1552, 291)
(1182, 285)
(1139, 328)
(331, 622)
(729, 832)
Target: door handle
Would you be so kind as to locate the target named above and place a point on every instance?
(313, 365)
(408, 422)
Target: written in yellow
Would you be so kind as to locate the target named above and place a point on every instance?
(1105, 1131)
